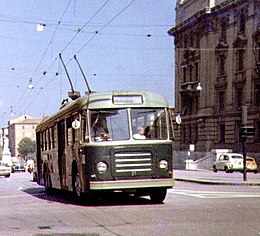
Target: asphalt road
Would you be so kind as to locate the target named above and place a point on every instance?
(189, 209)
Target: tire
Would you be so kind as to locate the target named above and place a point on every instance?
(77, 187)
(226, 169)
(7, 176)
(158, 195)
(47, 182)
(215, 169)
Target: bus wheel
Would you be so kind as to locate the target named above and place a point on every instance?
(47, 181)
(158, 195)
(77, 188)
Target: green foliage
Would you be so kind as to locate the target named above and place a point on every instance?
(26, 146)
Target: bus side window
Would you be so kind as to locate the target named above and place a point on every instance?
(84, 128)
(69, 131)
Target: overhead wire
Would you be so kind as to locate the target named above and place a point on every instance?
(44, 53)
(66, 46)
(97, 32)
(104, 26)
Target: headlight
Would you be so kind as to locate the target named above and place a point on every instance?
(163, 164)
(102, 167)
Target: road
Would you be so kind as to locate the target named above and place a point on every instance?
(189, 209)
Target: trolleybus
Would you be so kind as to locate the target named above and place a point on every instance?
(105, 142)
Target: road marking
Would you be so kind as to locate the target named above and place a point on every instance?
(215, 195)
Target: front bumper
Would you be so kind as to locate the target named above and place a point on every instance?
(5, 172)
(132, 184)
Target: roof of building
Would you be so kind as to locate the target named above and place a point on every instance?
(24, 119)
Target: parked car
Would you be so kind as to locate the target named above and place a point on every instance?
(5, 170)
(229, 162)
(251, 164)
(18, 166)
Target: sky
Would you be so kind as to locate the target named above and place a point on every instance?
(120, 45)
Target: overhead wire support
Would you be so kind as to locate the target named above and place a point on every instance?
(83, 74)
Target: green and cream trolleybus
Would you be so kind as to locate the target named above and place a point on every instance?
(109, 141)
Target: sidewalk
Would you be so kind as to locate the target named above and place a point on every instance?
(221, 177)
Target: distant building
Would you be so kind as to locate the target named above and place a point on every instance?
(19, 128)
(217, 51)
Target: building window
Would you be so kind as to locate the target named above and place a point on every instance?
(184, 139)
(239, 97)
(257, 131)
(221, 101)
(191, 39)
(189, 104)
(222, 133)
(223, 31)
(190, 72)
(242, 23)
(196, 134)
(184, 71)
(196, 71)
(240, 60)
(221, 65)
(185, 42)
(257, 95)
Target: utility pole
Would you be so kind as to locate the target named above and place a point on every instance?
(244, 158)
(244, 122)
(246, 131)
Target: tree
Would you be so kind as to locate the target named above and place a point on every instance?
(26, 146)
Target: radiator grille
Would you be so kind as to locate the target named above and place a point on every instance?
(133, 163)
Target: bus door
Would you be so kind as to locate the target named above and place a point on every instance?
(61, 153)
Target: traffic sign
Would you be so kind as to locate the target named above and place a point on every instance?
(247, 131)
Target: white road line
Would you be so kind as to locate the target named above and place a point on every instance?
(215, 195)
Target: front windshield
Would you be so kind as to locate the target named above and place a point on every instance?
(108, 125)
(149, 123)
(114, 124)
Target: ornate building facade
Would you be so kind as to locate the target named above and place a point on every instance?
(217, 86)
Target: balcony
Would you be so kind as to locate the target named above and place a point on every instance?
(221, 82)
(240, 77)
(192, 87)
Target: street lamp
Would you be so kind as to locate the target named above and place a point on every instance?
(40, 27)
(199, 88)
(30, 85)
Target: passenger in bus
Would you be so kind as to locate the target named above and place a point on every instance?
(140, 134)
(99, 132)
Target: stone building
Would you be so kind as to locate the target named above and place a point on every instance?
(217, 55)
(19, 128)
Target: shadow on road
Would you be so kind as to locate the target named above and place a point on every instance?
(104, 199)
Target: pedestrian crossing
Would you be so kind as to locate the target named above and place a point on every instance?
(214, 194)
